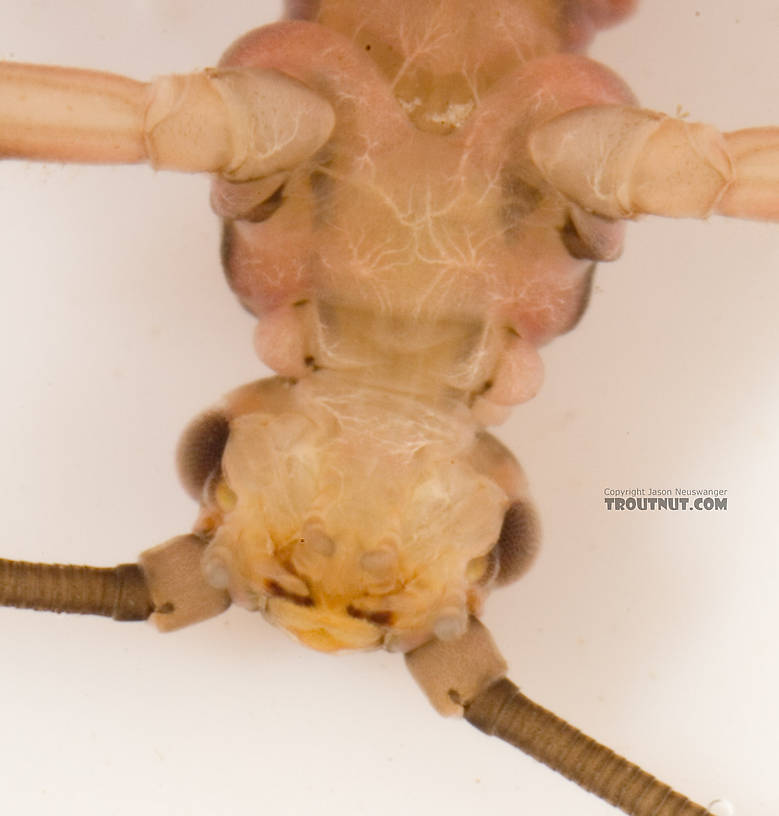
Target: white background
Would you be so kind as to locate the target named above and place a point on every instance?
(653, 632)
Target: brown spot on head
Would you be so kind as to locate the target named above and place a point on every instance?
(277, 590)
(381, 618)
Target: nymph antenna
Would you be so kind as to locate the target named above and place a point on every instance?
(467, 677)
(166, 586)
(241, 122)
(119, 592)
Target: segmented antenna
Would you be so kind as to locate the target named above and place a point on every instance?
(502, 710)
(466, 677)
(118, 592)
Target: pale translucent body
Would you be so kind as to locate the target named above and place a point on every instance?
(515, 625)
(407, 256)
(411, 271)
(408, 276)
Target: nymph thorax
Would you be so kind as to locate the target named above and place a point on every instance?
(411, 225)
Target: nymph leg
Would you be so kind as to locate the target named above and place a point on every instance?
(243, 123)
(629, 161)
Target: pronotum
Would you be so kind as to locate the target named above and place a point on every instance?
(636, 628)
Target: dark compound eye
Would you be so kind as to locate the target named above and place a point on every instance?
(518, 543)
(200, 450)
